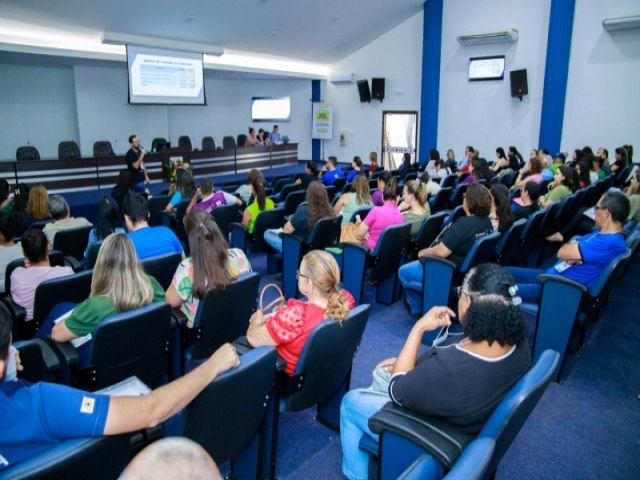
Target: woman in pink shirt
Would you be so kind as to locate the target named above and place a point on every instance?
(380, 218)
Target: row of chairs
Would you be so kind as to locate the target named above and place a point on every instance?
(67, 150)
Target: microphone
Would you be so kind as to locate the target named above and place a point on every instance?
(194, 146)
(115, 142)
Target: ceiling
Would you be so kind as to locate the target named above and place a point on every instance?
(319, 32)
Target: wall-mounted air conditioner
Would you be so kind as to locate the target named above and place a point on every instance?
(621, 23)
(343, 78)
(508, 36)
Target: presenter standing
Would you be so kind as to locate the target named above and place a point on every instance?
(135, 165)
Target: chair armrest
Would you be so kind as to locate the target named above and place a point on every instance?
(238, 235)
(433, 259)
(73, 262)
(435, 436)
(178, 318)
(49, 357)
(17, 312)
(243, 346)
(546, 277)
(66, 352)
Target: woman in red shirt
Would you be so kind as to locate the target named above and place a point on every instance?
(288, 328)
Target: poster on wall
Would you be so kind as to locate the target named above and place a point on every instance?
(322, 124)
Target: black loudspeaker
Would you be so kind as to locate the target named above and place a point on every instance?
(363, 90)
(377, 88)
(519, 86)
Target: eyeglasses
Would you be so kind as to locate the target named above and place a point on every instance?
(599, 207)
(298, 275)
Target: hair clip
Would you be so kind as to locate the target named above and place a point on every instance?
(513, 290)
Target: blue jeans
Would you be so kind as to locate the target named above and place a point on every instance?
(356, 409)
(273, 238)
(410, 275)
(526, 280)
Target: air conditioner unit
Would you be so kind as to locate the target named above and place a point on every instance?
(343, 78)
(621, 23)
(508, 36)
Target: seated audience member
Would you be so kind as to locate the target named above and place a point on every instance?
(310, 175)
(315, 207)
(622, 159)
(442, 169)
(527, 204)
(577, 156)
(252, 138)
(502, 162)
(118, 284)
(453, 242)
(490, 355)
(383, 180)
(560, 187)
(62, 219)
(148, 241)
(358, 197)
(210, 198)
(123, 187)
(464, 164)
(10, 227)
(530, 173)
(288, 328)
(185, 189)
(584, 259)
(275, 136)
(36, 417)
(211, 266)
(478, 170)
(331, 171)
(373, 163)
(558, 160)
(245, 191)
(172, 458)
(596, 169)
(451, 159)
(37, 206)
(109, 221)
(414, 206)
(501, 216)
(432, 187)
(633, 194)
(405, 166)
(379, 218)
(515, 158)
(6, 200)
(20, 199)
(582, 174)
(356, 163)
(260, 203)
(37, 269)
(603, 155)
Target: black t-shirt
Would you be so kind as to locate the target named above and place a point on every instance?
(306, 179)
(460, 235)
(460, 387)
(300, 222)
(137, 174)
(524, 211)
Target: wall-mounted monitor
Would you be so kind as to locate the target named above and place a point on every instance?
(486, 68)
(165, 77)
(270, 109)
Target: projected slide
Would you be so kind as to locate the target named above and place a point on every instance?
(165, 77)
(270, 109)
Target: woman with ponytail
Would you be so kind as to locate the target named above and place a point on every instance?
(501, 216)
(460, 379)
(414, 201)
(212, 265)
(260, 202)
(288, 328)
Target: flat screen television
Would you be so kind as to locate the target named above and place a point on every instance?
(486, 68)
(165, 77)
(270, 109)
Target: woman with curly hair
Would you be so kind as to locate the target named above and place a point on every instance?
(359, 196)
(306, 215)
(461, 380)
(288, 328)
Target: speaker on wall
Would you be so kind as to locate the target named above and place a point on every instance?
(377, 88)
(519, 86)
(363, 90)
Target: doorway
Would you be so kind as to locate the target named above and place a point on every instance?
(399, 137)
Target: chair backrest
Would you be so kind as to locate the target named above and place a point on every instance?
(280, 183)
(474, 461)
(39, 361)
(223, 316)
(458, 194)
(509, 241)
(288, 188)
(512, 412)
(184, 142)
(208, 144)
(429, 230)
(39, 224)
(481, 251)
(339, 183)
(129, 343)
(362, 212)
(68, 150)
(441, 199)
(73, 288)
(162, 267)
(156, 207)
(293, 200)
(389, 251)
(449, 181)
(609, 276)
(265, 220)
(92, 256)
(225, 215)
(326, 359)
(72, 242)
(228, 142)
(241, 139)
(548, 221)
(455, 214)
(158, 143)
(27, 153)
(103, 148)
(98, 458)
(325, 233)
(531, 229)
(228, 413)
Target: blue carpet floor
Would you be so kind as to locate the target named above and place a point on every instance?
(586, 427)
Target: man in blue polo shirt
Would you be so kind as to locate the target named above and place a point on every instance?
(35, 417)
(149, 241)
(584, 259)
(331, 171)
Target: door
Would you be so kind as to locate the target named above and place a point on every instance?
(399, 137)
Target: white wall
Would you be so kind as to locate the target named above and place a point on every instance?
(37, 106)
(603, 100)
(483, 114)
(396, 56)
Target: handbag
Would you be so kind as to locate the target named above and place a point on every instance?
(348, 233)
(273, 305)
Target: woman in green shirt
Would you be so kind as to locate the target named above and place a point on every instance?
(259, 204)
(560, 187)
(414, 204)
